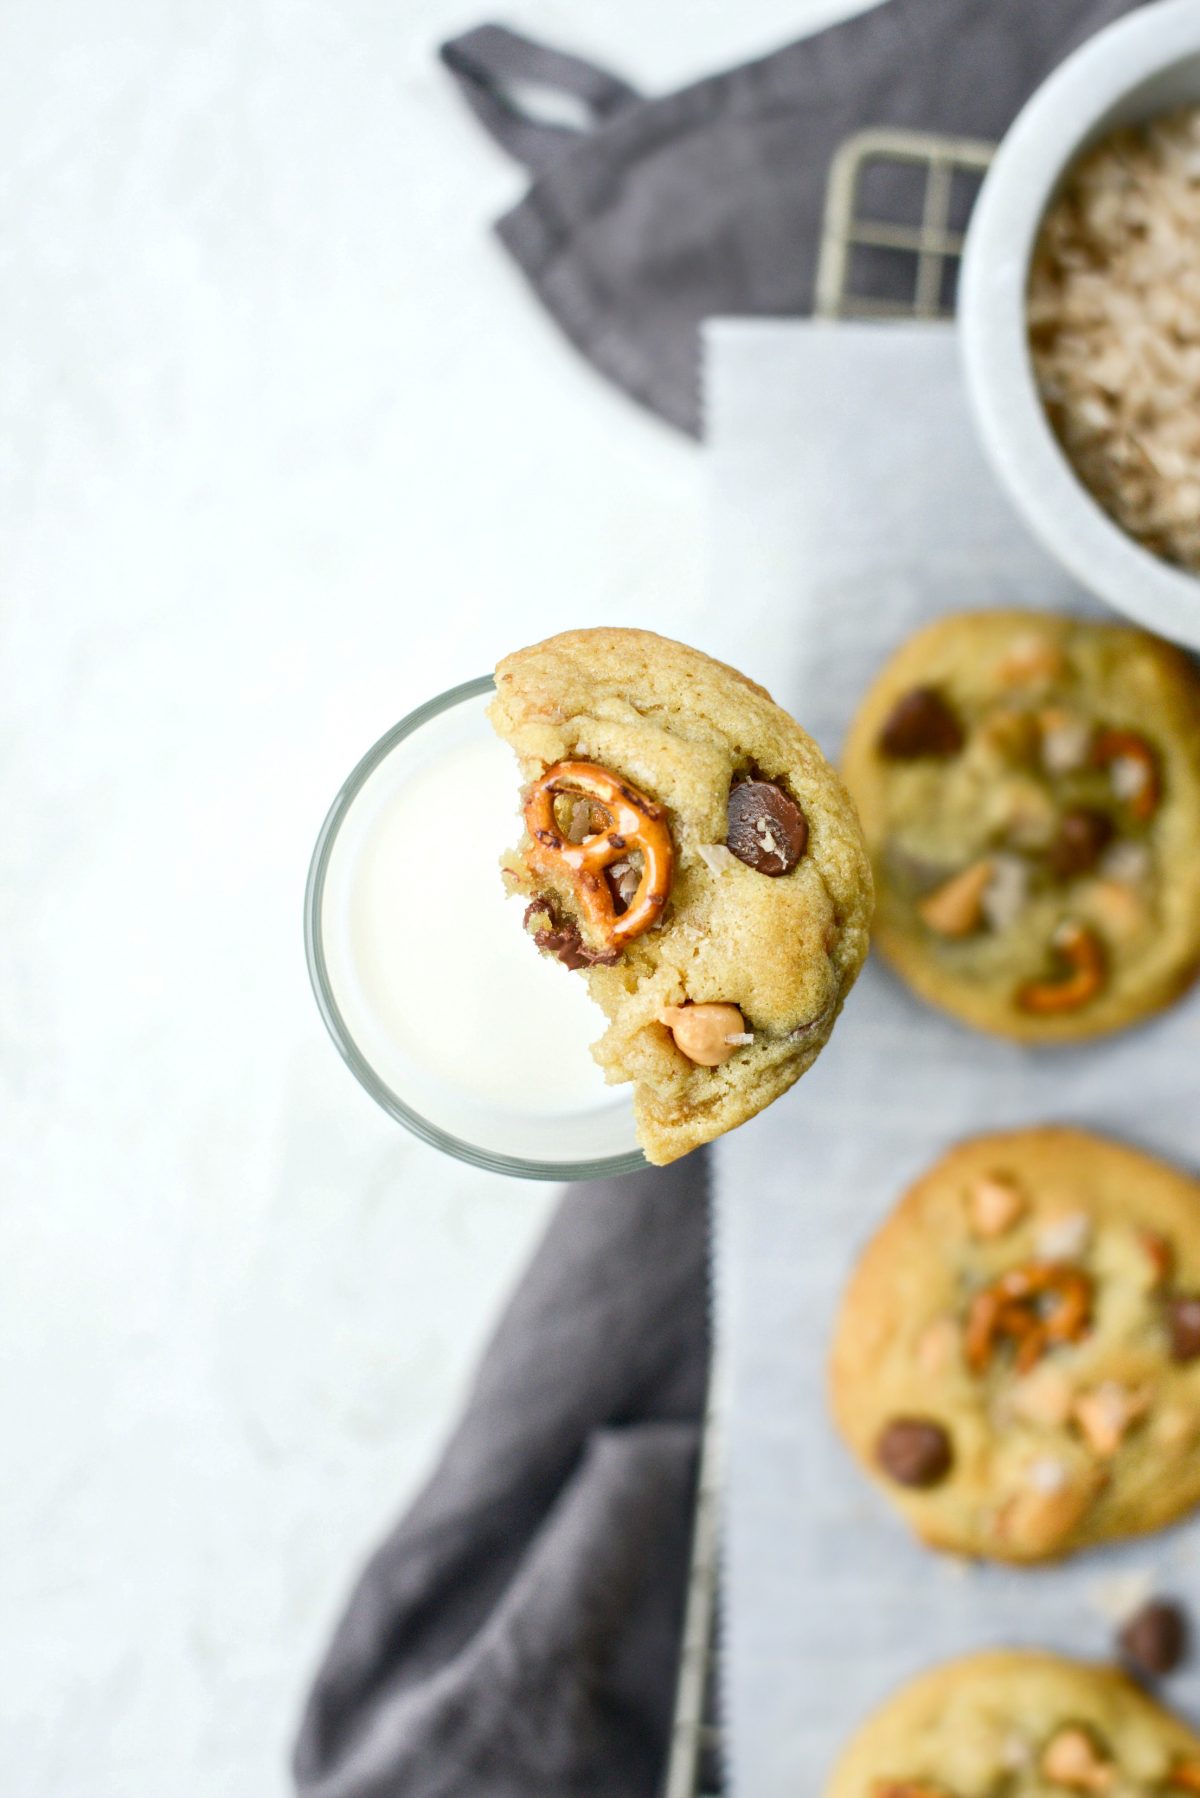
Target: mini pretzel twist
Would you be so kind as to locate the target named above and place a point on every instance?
(635, 822)
(1033, 1306)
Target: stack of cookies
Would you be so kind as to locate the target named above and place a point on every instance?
(1016, 1363)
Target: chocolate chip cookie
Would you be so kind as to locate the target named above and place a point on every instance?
(1017, 1357)
(1019, 1725)
(691, 854)
(1029, 787)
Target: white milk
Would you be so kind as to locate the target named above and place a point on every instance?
(438, 984)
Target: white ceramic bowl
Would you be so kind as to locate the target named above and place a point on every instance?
(1144, 65)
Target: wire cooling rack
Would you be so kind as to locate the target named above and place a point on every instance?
(896, 209)
(694, 1763)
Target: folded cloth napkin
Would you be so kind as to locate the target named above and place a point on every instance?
(517, 1634)
(706, 203)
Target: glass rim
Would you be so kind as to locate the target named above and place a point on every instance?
(491, 1160)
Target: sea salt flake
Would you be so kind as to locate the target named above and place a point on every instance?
(1126, 863)
(1015, 1753)
(1007, 891)
(1129, 776)
(718, 858)
(1045, 1475)
(1065, 745)
(1064, 1238)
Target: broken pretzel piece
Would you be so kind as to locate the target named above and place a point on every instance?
(1079, 951)
(956, 907)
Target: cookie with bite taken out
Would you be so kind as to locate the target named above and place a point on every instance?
(1029, 788)
(1019, 1725)
(689, 852)
(1016, 1361)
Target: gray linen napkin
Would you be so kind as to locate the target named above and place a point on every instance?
(705, 203)
(517, 1633)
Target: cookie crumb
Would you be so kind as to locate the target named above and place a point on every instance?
(1118, 1597)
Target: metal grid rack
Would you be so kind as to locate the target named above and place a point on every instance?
(946, 172)
(934, 180)
(694, 1763)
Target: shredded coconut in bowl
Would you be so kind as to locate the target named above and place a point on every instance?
(1114, 329)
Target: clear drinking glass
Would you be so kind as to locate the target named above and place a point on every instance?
(435, 997)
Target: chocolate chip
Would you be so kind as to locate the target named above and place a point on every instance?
(921, 723)
(913, 1451)
(1155, 1638)
(1083, 836)
(766, 828)
(561, 937)
(1183, 1321)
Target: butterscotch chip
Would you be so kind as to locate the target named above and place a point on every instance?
(1106, 1413)
(1037, 1520)
(1071, 942)
(996, 1205)
(1073, 1759)
(1017, 1722)
(1031, 659)
(687, 846)
(956, 907)
(709, 1035)
(938, 1344)
(1010, 1298)
(1044, 1396)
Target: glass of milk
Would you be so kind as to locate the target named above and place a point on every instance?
(431, 988)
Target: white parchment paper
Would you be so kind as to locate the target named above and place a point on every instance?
(849, 505)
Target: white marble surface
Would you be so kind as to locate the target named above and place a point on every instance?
(285, 444)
